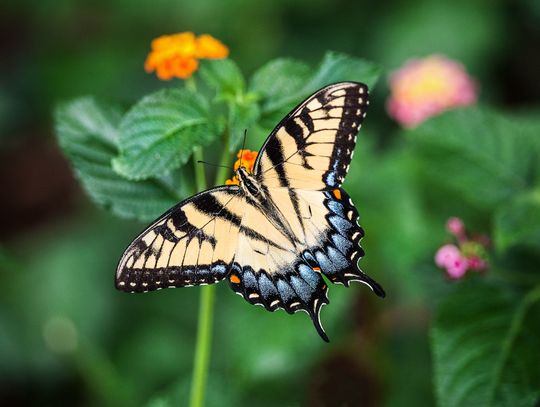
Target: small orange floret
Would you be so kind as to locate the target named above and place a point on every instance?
(233, 181)
(177, 55)
(210, 47)
(247, 159)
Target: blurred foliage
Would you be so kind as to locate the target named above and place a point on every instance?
(68, 338)
(485, 347)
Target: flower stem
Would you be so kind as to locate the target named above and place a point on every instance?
(206, 303)
(201, 360)
(203, 346)
(221, 174)
(200, 174)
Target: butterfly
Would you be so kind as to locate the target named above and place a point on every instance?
(275, 235)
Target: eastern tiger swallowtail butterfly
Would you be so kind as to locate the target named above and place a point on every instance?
(275, 234)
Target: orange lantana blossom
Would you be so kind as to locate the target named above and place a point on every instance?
(177, 55)
(246, 158)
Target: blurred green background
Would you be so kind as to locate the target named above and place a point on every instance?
(67, 337)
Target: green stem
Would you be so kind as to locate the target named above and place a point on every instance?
(191, 85)
(201, 360)
(206, 302)
(200, 175)
(203, 346)
(223, 171)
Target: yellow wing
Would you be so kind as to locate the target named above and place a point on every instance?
(192, 244)
(312, 147)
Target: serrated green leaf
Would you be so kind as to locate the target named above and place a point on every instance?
(87, 132)
(276, 80)
(337, 67)
(485, 348)
(224, 76)
(295, 82)
(485, 157)
(518, 222)
(160, 132)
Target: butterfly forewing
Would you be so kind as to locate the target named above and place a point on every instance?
(193, 243)
(312, 147)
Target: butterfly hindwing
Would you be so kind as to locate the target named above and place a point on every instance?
(338, 249)
(312, 147)
(191, 244)
(270, 270)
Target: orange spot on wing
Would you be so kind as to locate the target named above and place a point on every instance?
(316, 268)
(234, 279)
(337, 193)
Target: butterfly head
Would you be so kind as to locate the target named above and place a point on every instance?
(249, 183)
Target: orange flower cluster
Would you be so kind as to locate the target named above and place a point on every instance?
(178, 55)
(247, 159)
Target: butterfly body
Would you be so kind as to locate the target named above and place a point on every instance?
(280, 230)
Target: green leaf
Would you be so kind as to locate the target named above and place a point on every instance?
(159, 133)
(224, 76)
(87, 132)
(483, 156)
(242, 116)
(485, 348)
(276, 80)
(337, 67)
(293, 81)
(518, 222)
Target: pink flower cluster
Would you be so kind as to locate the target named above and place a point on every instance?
(467, 254)
(425, 87)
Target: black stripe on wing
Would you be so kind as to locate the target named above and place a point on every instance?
(299, 124)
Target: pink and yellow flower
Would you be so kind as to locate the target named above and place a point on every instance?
(425, 87)
(467, 254)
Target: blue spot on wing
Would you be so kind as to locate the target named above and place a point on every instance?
(266, 287)
(249, 279)
(310, 276)
(303, 290)
(285, 291)
(331, 178)
(337, 259)
(337, 208)
(219, 269)
(326, 265)
(342, 244)
(340, 224)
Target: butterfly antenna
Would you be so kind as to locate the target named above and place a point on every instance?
(243, 146)
(214, 165)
